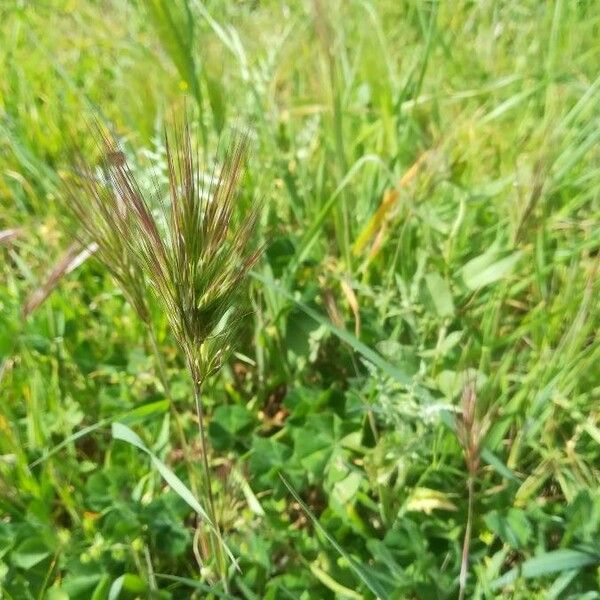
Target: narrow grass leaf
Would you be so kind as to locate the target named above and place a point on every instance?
(491, 459)
(555, 561)
(360, 572)
(123, 433)
(484, 270)
(133, 416)
(69, 440)
(192, 583)
(342, 334)
(253, 502)
(560, 584)
(509, 104)
(143, 412)
(128, 582)
(340, 590)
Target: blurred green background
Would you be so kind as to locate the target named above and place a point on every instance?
(430, 178)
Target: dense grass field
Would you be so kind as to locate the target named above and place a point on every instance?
(412, 406)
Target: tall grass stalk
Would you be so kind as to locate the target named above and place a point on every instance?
(471, 430)
(188, 255)
(164, 380)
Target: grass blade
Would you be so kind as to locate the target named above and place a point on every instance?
(344, 335)
(132, 416)
(328, 581)
(123, 433)
(484, 270)
(198, 585)
(491, 459)
(71, 260)
(360, 572)
(311, 235)
(7, 235)
(555, 561)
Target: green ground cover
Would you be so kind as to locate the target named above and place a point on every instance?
(419, 366)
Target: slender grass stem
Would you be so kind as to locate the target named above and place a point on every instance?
(212, 513)
(150, 569)
(162, 369)
(164, 380)
(4, 367)
(464, 567)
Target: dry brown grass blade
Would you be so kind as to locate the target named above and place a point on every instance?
(378, 222)
(353, 303)
(8, 235)
(70, 260)
(331, 307)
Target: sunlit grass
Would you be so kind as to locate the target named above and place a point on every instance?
(429, 182)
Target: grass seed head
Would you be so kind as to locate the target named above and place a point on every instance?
(100, 200)
(471, 428)
(194, 255)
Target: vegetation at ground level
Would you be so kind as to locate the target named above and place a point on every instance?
(412, 406)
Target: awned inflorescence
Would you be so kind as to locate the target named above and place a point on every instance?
(188, 253)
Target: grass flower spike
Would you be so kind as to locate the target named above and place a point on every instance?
(189, 249)
(198, 267)
(101, 200)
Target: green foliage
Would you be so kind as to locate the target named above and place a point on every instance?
(429, 183)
